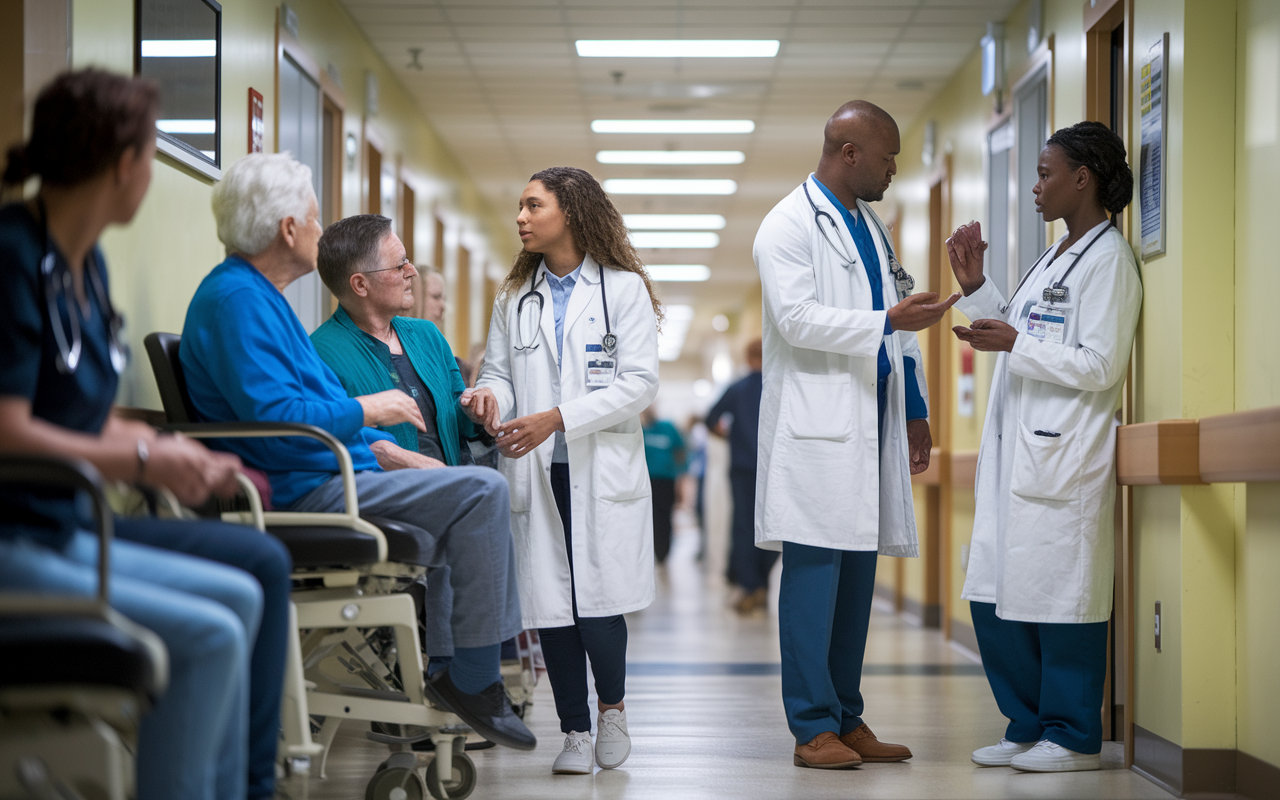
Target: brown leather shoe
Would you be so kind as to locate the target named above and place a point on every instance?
(863, 742)
(825, 752)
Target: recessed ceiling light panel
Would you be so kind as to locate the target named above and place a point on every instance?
(673, 222)
(670, 186)
(700, 240)
(673, 126)
(678, 272)
(681, 157)
(677, 48)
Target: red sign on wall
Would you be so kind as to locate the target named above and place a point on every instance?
(257, 128)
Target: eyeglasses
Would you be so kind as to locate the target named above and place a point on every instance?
(400, 266)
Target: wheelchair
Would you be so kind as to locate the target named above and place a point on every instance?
(75, 676)
(357, 655)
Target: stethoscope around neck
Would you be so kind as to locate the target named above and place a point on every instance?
(71, 343)
(901, 277)
(609, 343)
(1056, 292)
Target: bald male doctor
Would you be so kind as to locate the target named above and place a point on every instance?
(843, 426)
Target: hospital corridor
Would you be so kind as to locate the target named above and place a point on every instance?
(639, 399)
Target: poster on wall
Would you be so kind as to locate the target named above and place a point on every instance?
(257, 129)
(1153, 116)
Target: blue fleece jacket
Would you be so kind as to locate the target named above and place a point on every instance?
(246, 357)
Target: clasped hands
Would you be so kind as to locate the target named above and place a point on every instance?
(516, 438)
(965, 250)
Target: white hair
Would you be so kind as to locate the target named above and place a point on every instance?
(255, 193)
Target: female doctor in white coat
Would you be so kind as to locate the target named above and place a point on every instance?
(1040, 565)
(572, 360)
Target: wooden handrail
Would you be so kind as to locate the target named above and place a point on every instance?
(1241, 447)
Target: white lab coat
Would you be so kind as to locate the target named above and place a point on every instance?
(611, 511)
(823, 478)
(1042, 547)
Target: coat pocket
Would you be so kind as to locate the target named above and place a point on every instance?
(818, 406)
(1046, 467)
(619, 471)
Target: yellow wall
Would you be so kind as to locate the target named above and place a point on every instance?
(157, 261)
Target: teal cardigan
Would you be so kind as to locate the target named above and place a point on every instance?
(363, 365)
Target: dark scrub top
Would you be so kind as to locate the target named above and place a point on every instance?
(80, 401)
(741, 402)
(411, 384)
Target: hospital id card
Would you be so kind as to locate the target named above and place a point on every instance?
(601, 369)
(1047, 323)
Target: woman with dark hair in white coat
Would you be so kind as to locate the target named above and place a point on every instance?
(1040, 566)
(571, 362)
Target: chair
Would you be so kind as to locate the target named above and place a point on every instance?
(75, 676)
(349, 577)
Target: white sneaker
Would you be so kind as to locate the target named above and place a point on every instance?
(1049, 757)
(575, 758)
(613, 743)
(999, 755)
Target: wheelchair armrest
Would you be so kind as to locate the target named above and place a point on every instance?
(69, 473)
(257, 430)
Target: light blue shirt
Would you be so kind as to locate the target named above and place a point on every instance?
(561, 288)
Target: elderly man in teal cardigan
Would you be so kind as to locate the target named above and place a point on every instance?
(372, 348)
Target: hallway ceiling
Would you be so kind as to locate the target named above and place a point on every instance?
(501, 81)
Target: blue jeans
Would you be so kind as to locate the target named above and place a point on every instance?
(267, 560)
(464, 517)
(192, 744)
(824, 608)
(1047, 678)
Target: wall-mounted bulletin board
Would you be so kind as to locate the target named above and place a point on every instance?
(1153, 115)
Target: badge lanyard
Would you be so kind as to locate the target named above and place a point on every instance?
(610, 341)
(1056, 293)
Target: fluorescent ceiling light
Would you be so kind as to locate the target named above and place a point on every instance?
(179, 48)
(187, 125)
(670, 157)
(673, 222)
(678, 272)
(691, 239)
(669, 186)
(673, 126)
(677, 48)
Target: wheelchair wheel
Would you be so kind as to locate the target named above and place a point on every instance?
(395, 783)
(457, 786)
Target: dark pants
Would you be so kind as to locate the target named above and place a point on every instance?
(664, 502)
(824, 609)
(566, 650)
(1047, 677)
(267, 560)
(748, 565)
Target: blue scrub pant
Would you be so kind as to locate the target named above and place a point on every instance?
(824, 609)
(566, 649)
(192, 743)
(1047, 677)
(748, 565)
(267, 560)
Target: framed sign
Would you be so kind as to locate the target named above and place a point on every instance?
(1153, 113)
(257, 128)
(179, 46)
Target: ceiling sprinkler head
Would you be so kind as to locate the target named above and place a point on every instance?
(618, 75)
(414, 53)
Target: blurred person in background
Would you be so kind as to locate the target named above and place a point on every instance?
(665, 455)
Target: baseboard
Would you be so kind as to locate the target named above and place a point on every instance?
(885, 592)
(962, 633)
(931, 616)
(1256, 779)
(1196, 772)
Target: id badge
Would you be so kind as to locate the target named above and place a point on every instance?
(600, 367)
(1047, 323)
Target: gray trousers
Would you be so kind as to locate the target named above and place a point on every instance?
(464, 515)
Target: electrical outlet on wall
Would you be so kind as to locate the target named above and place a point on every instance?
(1157, 626)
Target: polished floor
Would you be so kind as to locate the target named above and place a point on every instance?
(706, 718)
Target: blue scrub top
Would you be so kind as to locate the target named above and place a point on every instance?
(80, 401)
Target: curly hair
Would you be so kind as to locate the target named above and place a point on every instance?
(1094, 145)
(596, 227)
(83, 122)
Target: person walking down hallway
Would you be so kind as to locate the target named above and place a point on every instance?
(1041, 563)
(843, 426)
(572, 361)
(664, 453)
(749, 565)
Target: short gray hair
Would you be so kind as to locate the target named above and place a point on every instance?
(255, 193)
(348, 246)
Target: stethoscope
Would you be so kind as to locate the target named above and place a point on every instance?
(609, 343)
(1056, 292)
(71, 347)
(901, 277)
